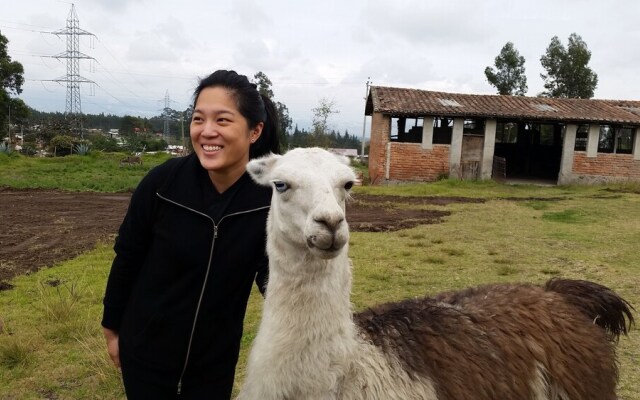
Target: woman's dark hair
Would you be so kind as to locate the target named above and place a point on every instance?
(252, 105)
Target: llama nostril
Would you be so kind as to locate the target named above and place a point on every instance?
(330, 223)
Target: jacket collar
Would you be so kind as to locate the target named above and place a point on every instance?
(187, 182)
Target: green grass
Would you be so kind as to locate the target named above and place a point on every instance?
(96, 172)
(51, 343)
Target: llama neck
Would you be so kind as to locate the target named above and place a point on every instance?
(307, 293)
(307, 338)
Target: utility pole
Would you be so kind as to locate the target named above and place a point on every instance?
(9, 124)
(73, 79)
(184, 147)
(364, 123)
(166, 111)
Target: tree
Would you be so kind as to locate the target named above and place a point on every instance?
(264, 84)
(567, 72)
(321, 116)
(11, 80)
(130, 125)
(509, 76)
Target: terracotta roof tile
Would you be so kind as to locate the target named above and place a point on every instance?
(417, 103)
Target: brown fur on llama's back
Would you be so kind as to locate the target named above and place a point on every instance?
(504, 341)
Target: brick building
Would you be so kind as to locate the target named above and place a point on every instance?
(420, 135)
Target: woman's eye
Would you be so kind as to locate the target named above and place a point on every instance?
(280, 186)
(348, 185)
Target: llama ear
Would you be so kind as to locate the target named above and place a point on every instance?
(260, 168)
(343, 159)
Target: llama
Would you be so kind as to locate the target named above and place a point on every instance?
(505, 341)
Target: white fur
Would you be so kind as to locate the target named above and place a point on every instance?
(307, 346)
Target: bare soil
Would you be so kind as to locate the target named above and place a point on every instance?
(43, 227)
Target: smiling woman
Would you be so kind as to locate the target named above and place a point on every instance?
(188, 250)
(221, 136)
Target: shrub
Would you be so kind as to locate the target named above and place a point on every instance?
(29, 149)
(5, 148)
(61, 145)
(100, 142)
(82, 149)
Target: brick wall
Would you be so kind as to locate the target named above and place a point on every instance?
(605, 167)
(380, 131)
(410, 162)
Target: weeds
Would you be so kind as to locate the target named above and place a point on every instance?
(61, 306)
(570, 216)
(15, 353)
(453, 252)
(506, 270)
(97, 359)
(550, 271)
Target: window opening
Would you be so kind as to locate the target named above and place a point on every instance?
(582, 137)
(442, 130)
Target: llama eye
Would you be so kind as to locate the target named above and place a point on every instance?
(280, 186)
(348, 185)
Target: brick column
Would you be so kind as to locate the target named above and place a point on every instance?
(566, 163)
(380, 131)
(486, 167)
(636, 145)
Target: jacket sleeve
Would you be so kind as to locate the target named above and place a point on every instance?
(131, 246)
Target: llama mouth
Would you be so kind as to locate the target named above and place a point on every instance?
(329, 250)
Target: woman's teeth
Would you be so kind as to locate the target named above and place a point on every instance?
(211, 148)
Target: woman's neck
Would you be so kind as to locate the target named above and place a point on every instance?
(223, 180)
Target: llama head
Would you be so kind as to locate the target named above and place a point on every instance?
(310, 187)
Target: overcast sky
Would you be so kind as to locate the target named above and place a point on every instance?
(309, 49)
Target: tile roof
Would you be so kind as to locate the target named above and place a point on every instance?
(418, 103)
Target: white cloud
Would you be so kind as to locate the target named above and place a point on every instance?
(312, 50)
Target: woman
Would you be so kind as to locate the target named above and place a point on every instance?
(190, 246)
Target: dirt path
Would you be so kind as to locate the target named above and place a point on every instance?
(43, 227)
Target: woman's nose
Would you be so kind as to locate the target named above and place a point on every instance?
(210, 129)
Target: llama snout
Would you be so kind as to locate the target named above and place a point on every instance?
(327, 233)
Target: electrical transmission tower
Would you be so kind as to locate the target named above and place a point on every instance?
(73, 109)
(166, 112)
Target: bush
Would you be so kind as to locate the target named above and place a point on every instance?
(61, 145)
(100, 142)
(5, 148)
(29, 149)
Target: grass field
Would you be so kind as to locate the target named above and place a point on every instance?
(96, 172)
(51, 344)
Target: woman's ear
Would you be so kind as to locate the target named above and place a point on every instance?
(256, 132)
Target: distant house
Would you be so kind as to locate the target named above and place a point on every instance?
(420, 135)
(345, 152)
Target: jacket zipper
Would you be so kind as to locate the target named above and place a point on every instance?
(206, 276)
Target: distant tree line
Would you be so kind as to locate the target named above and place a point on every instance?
(333, 139)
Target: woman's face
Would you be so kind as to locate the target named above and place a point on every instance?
(220, 134)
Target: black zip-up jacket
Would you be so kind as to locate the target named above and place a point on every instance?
(180, 281)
